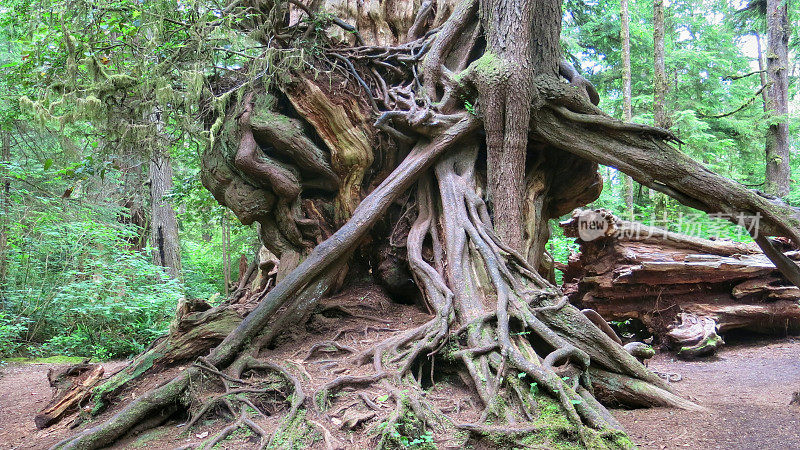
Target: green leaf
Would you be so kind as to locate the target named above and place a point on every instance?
(48, 163)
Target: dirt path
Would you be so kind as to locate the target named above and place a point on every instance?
(24, 390)
(747, 389)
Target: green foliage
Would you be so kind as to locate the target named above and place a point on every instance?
(75, 289)
(560, 247)
(78, 89)
(11, 331)
(470, 108)
(707, 46)
(423, 441)
(409, 433)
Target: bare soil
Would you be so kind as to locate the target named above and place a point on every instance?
(24, 390)
(747, 389)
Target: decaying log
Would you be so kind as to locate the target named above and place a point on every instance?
(72, 386)
(695, 335)
(684, 289)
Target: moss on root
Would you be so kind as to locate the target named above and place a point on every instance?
(148, 437)
(552, 430)
(137, 368)
(297, 434)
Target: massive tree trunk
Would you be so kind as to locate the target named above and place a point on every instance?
(778, 169)
(478, 142)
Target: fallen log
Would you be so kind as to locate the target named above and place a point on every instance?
(687, 291)
(72, 387)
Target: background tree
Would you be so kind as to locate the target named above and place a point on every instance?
(714, 109)
(627, 107)
(164, 223)
(778, 170)
(5, 201)
(660, 87)
(78, 282)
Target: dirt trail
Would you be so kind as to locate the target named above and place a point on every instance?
(747, 389)
(24, 390)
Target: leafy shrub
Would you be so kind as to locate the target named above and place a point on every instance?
(202, 269)
(75, 289)
(11, 332)
(794, 197)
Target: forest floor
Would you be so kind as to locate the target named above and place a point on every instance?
(747, 389)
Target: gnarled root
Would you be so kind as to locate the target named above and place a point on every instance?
(528, 344)
(309, 276)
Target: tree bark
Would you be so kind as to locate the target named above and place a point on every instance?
(660, 87)
(661, 115)
(627, 108)
(762, 73)
(5, 204)
(164, 223)
(506, 92)
(226, 256)
(133, 201)
(778, 170)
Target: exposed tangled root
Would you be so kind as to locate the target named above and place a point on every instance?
(241, 398)
(304, 286)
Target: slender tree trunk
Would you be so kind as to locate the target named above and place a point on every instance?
(226, 256)
(660, 116)
(5, 205)
(778, 171)
(660, 87)
(164, 225)
(627, 108)
(133, 201)
(762, 73)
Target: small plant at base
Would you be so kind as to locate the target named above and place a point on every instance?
(470, 108)
(424, 441)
